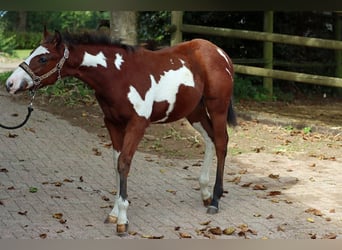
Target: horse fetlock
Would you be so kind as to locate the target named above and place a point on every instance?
(122, 229)
(111, 219)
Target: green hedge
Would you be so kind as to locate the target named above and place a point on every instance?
(25, 40)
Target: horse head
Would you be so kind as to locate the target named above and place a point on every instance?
(43, 66)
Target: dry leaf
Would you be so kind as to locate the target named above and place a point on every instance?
(332, 210)
(259, 187)
(171, 191)
(60, 231)
(274, 193)
(3, 170)
(185, 235)
(1, 203)
(229, 230)
(330, 236)
(68, 180)
(22, 213)
(208, 235)
(10, 135)
(177, 228)
(215, 230)
(246, 184)
(205, 223)
(314, 211)
(57, 216)
(62, 221)
(244, 171)
(274, 176)
(311, 220)
(270, 216)
(105, 198)
(43, 236)
(97, 152)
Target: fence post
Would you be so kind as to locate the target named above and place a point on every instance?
(338, 36)
(177, 21)
(268, 51)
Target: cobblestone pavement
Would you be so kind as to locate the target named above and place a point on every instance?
(57, 181)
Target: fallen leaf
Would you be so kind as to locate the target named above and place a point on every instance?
(274, 193)
(215, 230)
(62, 221)
(259, 187)
(244, 171)
(314, 211)
(105, 198)
(43, 236)
(68, 180)
(281, 228)
(273, 176)
(184, 235)
(229, 231)
(1, 203)
(81, 179)
(311, 220)
(177, 228)
(22, 213)
(208, 235)
(205, 223)
(313, 236)
(33, 190)
(330, 236)
(171, 191)
(332, 210)
(3, 170)
(246, 184)
(270, 216)
(129, 232)
(328, 219)
(57, 216)
(257, 215)
(60, 231)
(10, 135)
(97, 152)
(11, 188)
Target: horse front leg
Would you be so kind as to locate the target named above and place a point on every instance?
(133, 134)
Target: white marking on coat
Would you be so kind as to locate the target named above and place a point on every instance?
(118, 61)
(220, 51)
(115, 210)
(19, 75)
(164, 90)
(41, 50)
(123, 206)
(94, 60)
(208, 157)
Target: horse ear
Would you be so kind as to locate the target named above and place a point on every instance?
(58, 38)
(46, 33)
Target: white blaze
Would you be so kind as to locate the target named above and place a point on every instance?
(220, 51)
(94, 60)
(19, 75)
(165, 89)
(118, 61)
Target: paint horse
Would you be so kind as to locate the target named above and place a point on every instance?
(135, 87)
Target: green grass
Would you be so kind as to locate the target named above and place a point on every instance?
(22, 53)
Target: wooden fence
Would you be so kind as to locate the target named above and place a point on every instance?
(268, 37)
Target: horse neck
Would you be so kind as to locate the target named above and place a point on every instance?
(90, 63)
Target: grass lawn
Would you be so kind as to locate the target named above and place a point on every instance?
(22, 53)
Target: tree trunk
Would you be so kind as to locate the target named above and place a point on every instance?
(123, 25)
(22, 21)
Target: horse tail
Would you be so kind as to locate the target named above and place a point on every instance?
(232, 121)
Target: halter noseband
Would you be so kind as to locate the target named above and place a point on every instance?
(37, 79)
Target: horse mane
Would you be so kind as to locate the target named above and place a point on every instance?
(94, 38)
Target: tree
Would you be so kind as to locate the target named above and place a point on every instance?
(123, 25)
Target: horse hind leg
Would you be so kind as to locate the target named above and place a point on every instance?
(201, 122)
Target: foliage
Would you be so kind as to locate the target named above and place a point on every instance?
(6, 41)
(72, 90)
(248, 88)
(4, 76)
(25, 40)
(152, 26)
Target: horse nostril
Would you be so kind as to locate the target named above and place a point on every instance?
(9, 85)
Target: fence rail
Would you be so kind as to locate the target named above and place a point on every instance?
(267, 37)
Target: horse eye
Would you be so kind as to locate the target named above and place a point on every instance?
(42, 60)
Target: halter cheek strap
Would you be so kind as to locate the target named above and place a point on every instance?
(37, 79)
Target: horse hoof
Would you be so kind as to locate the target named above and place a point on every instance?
(122, 229)
(207, 202)
(212, 210)
(111, 219)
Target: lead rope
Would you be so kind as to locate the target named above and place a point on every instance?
(29, 111)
